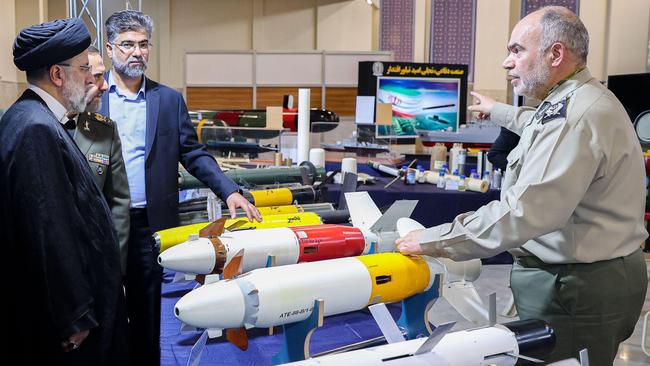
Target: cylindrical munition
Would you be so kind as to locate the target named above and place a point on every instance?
(256, 176)
(281, 196)
(204, 256)
(318, 208)
(171, 237)
(280, 295)
(496, 345)
(385, 168)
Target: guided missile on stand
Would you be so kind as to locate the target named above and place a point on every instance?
(499, 344)
(372, 233)
(274, 296)
(489, 344)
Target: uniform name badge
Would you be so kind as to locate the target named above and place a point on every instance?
(99, 158)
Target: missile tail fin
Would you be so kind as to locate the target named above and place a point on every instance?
(467, 302)
(363, 211)
(234, 267)
(238, 337)
(388, 221)
(386, 323)
(349, 185)
(214, 229)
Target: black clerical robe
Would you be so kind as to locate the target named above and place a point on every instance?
(60, 250)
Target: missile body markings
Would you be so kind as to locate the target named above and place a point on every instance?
(280, 295)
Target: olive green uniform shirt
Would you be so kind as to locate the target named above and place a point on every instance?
(97, 138)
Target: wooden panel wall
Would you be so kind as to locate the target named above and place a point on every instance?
(341, 100)
(220, 98)
(273, 96)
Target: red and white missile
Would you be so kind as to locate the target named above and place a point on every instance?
(274, 296)
(372, 232)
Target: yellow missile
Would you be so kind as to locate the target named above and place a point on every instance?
(169, 237)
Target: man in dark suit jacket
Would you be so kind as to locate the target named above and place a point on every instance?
(55, 226)
(156, 134)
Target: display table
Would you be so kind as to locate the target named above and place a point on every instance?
(435, 205)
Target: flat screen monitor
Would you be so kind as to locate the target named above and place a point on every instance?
(419, 103)
(633, 90)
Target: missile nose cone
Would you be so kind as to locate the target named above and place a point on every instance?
(195, 256)
(219, 305)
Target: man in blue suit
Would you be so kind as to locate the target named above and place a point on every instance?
(156, 134)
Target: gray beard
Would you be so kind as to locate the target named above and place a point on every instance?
(534, 86)
(132, 72)
(76, 97)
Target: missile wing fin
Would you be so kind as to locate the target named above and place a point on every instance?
(214, 229)
(187, 328)
(349, 185)
(434, 338)
(386, 323)
(363, 211)
(238, 337)
(465, 299)
(180, 277)
(197, 350)
(398, 210)
(525, 358)
(234, 267)
(492, 309)
(237, 224)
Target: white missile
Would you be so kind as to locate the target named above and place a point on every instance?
(276, 296)
(458, 288)
(496, 345)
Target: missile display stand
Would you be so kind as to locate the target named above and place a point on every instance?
(413, 322)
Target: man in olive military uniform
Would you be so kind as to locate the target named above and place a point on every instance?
(97, 138)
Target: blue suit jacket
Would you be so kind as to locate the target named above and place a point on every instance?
(170, 139)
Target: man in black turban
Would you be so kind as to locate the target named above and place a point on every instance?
(66, 305)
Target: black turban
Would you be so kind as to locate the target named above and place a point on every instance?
(49, 43)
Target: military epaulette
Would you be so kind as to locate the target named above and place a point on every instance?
(548, 112)
(100, 118)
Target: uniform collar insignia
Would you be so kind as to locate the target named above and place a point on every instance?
(548, 112)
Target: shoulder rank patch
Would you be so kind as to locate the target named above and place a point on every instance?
(548, 112)
(99, 158)
(101, 118)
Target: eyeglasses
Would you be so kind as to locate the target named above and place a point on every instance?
(129, 46)
(84, 68)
